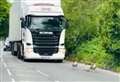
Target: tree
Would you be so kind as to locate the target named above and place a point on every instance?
(4, 16)
(94, 32)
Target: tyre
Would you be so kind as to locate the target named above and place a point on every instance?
(4, 49)
(12, 50)
(20, 51)
(24, 59)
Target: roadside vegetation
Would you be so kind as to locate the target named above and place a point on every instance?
(4, 11)
(93, 35)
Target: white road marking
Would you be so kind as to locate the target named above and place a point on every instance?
(44, 74)
(119, 77)
(9, 72)
(5, 65)
(13, 80)
(57, 81)
(1, 59)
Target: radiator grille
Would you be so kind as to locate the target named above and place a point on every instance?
(45, 44)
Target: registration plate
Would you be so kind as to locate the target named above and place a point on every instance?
(45, 57)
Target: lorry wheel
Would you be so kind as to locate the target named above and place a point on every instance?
(18, 56)
(24, 59)
(12, 50)
(18, 51)
(22, 52)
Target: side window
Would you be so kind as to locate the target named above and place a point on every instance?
(28, 21)
(22, 22)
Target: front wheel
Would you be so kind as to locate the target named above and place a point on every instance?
(13, 52)
(20, 51)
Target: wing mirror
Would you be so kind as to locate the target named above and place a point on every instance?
(22, 22)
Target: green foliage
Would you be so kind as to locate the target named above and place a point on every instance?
(80, 28)
(94, 32)
(93, 52)
(4, 10)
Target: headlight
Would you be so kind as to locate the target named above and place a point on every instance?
(62, 50)
(28, 50)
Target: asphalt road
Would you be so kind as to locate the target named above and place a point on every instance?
(14, 70)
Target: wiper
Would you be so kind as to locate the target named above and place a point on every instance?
(34, 30)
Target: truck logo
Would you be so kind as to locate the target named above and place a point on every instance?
(51, 33)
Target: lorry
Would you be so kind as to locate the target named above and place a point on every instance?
(37, 29)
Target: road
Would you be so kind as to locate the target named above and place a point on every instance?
(14, 70)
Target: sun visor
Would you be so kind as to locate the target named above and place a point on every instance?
(45, 10)
(39, 2)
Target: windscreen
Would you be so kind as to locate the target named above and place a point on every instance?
(47, 23)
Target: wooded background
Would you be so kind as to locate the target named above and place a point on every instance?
(94, 32)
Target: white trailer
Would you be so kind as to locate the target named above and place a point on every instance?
(37, 29)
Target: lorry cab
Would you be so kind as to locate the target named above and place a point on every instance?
(41, 30)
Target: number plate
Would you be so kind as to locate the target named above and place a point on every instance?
(45, 57)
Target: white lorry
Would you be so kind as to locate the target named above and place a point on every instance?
(37, 29)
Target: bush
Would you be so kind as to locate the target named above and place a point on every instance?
(4, 16)
(94, 32)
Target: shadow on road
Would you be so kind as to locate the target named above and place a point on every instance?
(43, 61)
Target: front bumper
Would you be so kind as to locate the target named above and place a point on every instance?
(56, 56)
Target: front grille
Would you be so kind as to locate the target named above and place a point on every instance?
(46, 51)
(45, 44)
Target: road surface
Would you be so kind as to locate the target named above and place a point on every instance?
(14, 70)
